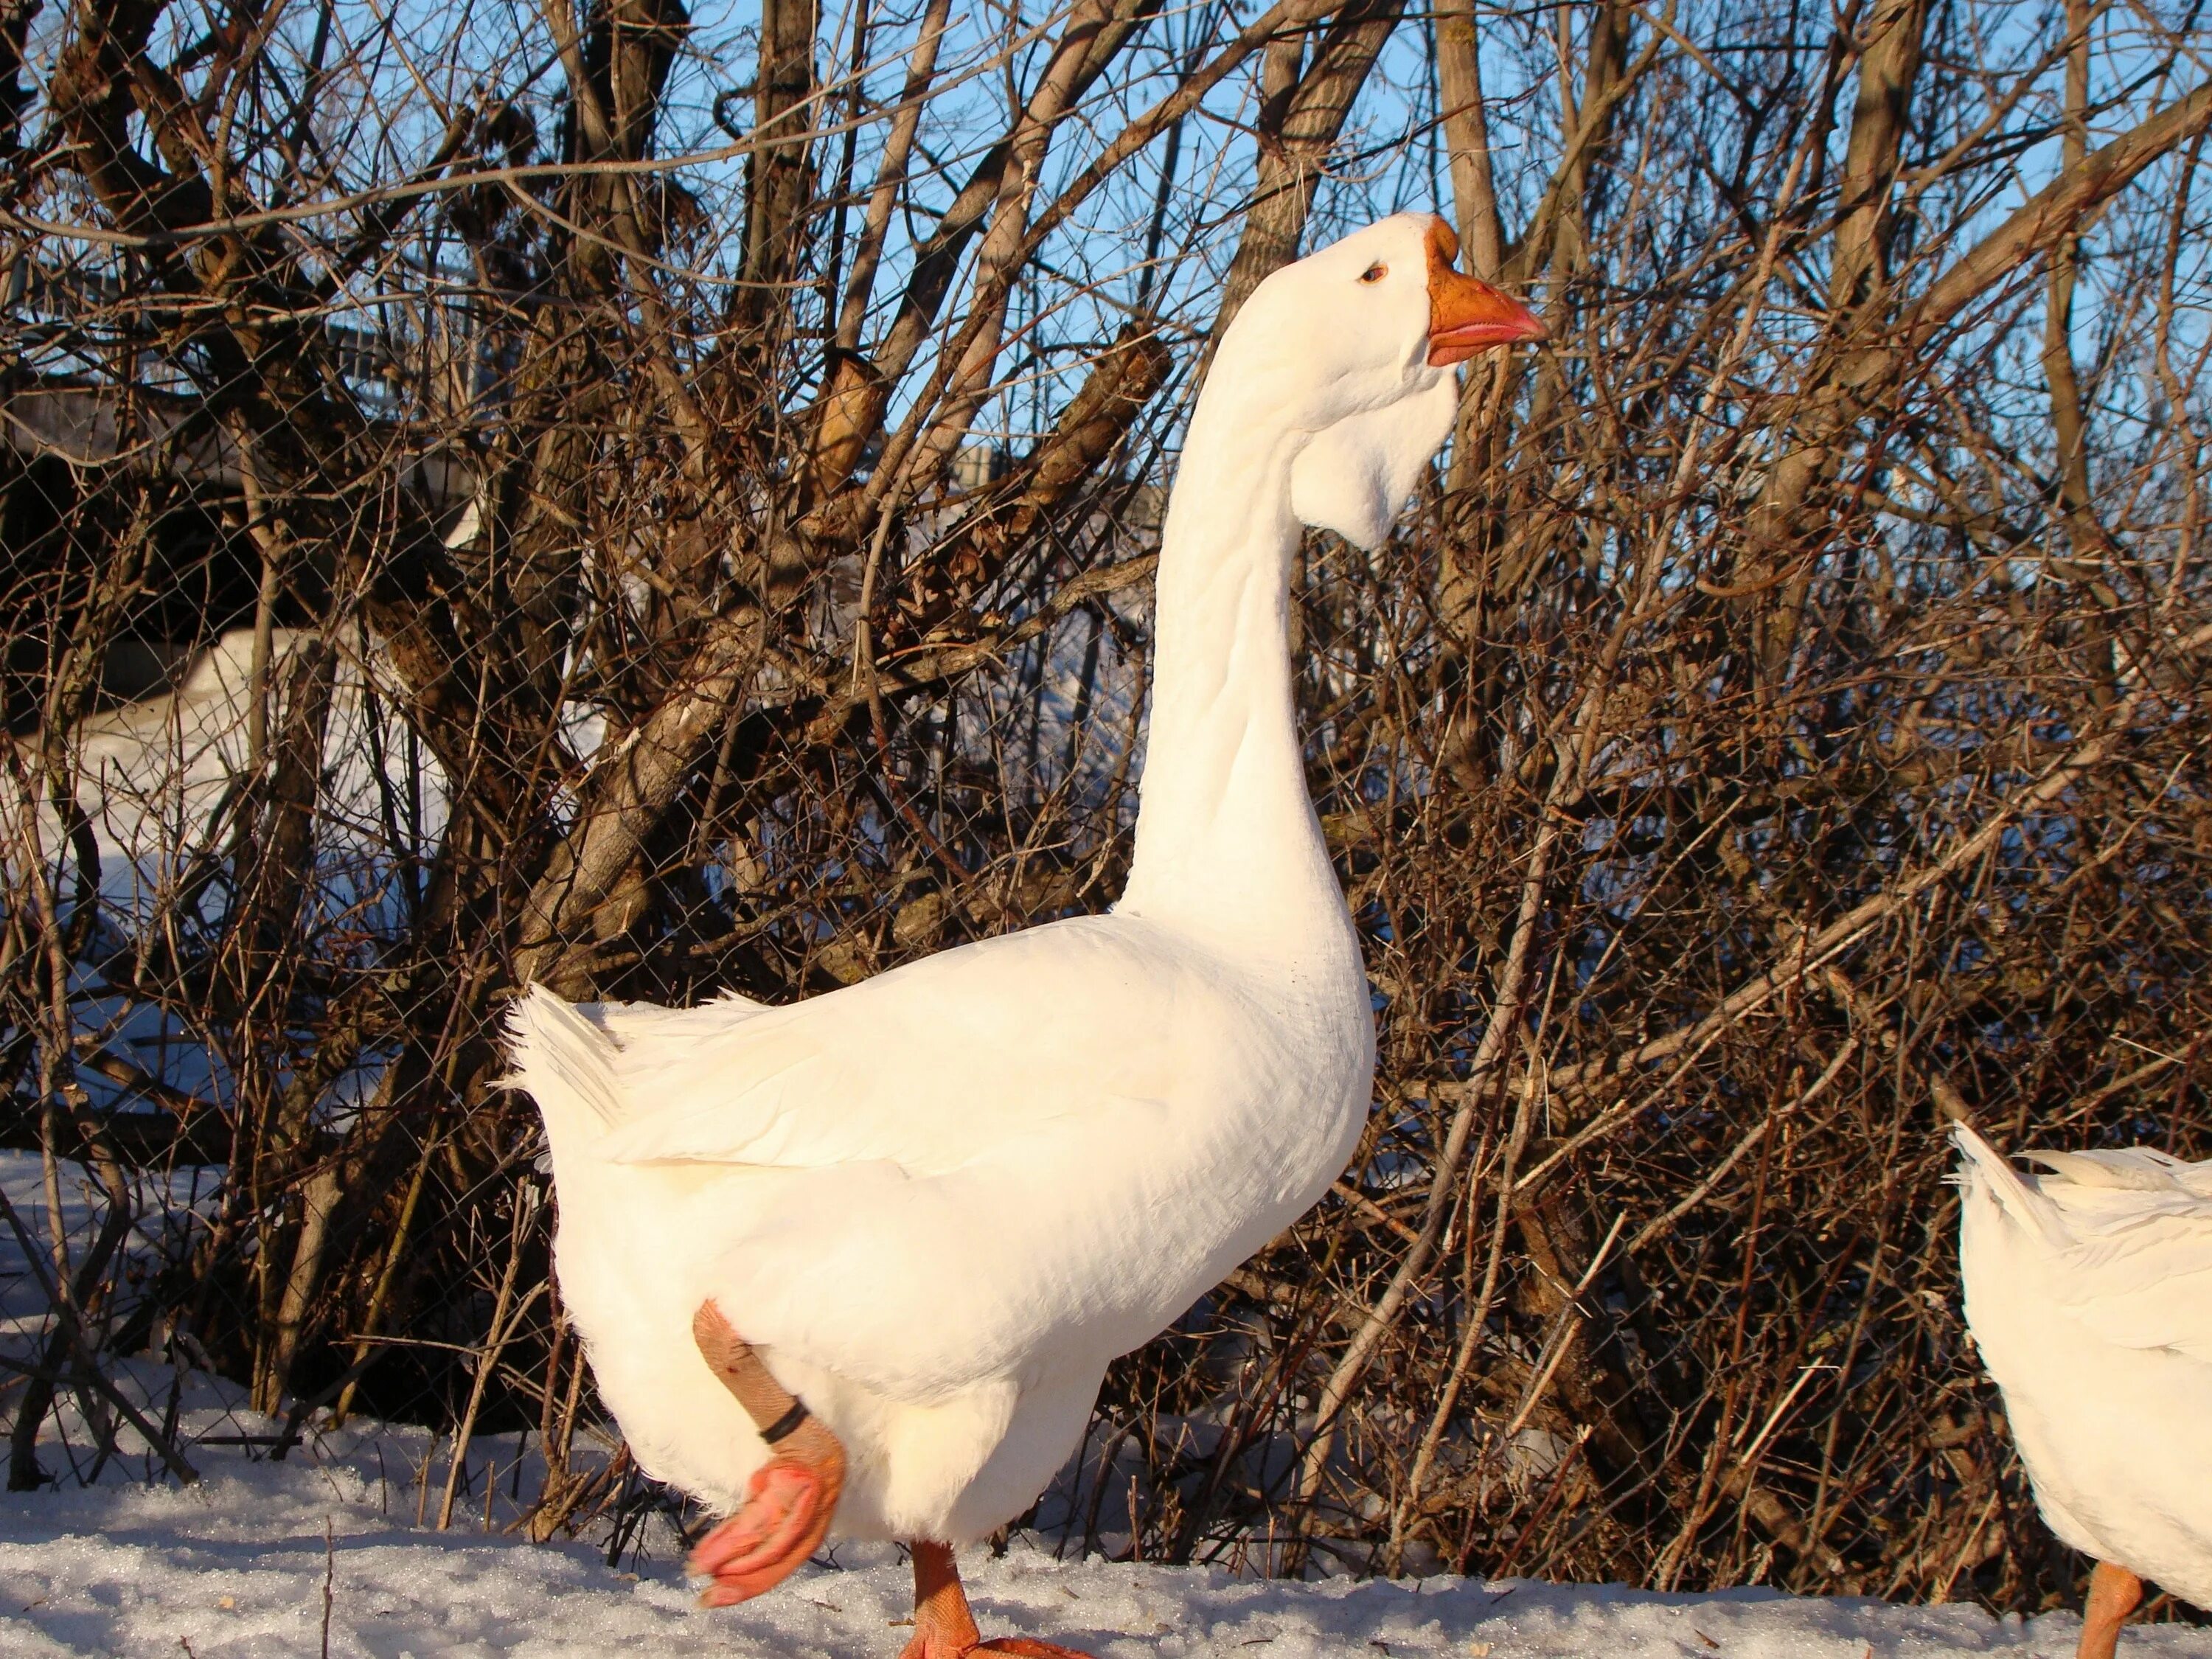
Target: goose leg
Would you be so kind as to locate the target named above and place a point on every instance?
(792, 1496)
(943, 1626)
(2113, 1593)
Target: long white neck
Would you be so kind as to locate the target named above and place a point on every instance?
(1227, 842)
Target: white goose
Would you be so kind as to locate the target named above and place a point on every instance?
(2089, 1294)
(936, 1204)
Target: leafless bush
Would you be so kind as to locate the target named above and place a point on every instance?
(652, 504)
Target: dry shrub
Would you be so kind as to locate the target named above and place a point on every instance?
(682, 519)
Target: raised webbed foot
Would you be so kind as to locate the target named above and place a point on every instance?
(791, 1498)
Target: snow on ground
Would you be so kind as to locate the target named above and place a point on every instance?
(238, 1564)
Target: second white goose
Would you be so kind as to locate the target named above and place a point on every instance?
(2089, 1294)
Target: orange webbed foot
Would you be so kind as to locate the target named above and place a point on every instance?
(786, 1516)
(790, 1499)
(935, 1644)
(944, 1628)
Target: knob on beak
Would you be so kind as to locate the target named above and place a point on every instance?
(1466, 316)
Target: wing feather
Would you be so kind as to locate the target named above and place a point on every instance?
(2126, 1238)
(921, 1067)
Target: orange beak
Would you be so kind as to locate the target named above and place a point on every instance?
(1466, 316)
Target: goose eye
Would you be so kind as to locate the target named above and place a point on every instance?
(1375, 273)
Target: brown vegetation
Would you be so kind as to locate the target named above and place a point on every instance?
(676, 499)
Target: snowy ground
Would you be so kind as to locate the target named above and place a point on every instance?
(238, 1564)
(323, 1553)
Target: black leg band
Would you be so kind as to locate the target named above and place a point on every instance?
(786, 1425)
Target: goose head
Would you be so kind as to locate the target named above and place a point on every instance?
(1349, 353)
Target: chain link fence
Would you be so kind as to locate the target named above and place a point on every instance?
(655, 504)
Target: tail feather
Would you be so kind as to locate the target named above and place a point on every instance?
(1986, 1166)
(566, 1064)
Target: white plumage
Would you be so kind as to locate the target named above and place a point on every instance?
(939, 1202)
(936, 1204)
(2089, 1295)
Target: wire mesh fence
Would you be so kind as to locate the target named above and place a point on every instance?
(655, 504)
